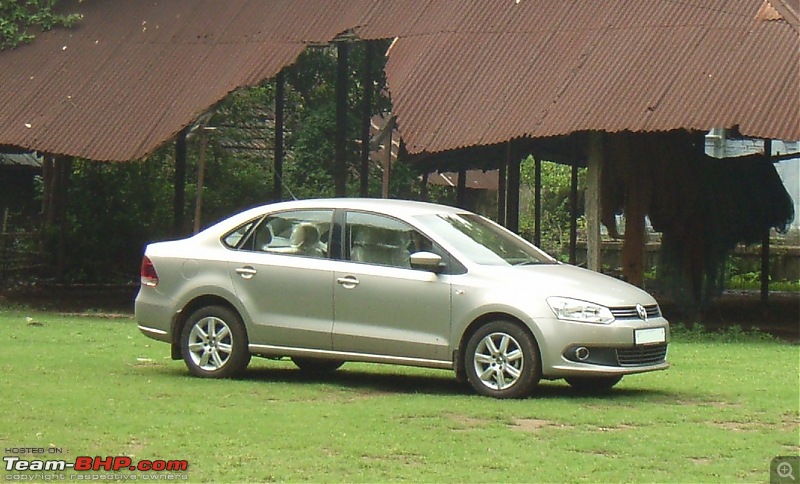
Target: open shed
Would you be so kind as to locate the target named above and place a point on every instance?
(470, 81)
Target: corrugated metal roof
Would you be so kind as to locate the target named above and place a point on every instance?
(131, 74)
(561, 67)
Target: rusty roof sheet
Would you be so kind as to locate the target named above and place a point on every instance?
(560, 67)
(131, 74)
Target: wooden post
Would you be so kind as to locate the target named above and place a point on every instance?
(630, 152)
(366, 120)
(593, 241)
(573, 211)
(180, 182)
(387, 166)
(5, 261)
(340, 142)
(461, 188)
(277, 162)
(201, 176)
(63, 168)
(47, 192)
(501, 193)
(512, 190)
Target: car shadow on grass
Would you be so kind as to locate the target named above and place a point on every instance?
(445, 384)
(359, 380)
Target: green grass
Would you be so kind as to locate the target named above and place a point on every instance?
(95, 386)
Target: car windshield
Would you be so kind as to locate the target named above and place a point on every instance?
(483, 241)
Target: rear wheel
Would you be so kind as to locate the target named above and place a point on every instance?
(593, 384)
(214, 343)
(317, 365)
(501, 360)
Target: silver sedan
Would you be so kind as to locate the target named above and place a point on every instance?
(387, 281)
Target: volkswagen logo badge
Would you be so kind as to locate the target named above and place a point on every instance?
(642, 312)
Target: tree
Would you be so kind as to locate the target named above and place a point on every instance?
(555, 208)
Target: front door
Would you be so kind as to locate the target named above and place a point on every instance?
(381, 305)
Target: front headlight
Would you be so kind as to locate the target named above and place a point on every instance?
(568, 309)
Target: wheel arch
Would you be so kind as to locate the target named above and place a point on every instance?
(180, 318)
(458, 353)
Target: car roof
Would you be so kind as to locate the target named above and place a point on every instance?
(398, 208)
(393, 206)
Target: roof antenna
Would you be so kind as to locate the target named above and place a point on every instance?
(288, 189)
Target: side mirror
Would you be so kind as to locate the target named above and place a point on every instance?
(427, 261)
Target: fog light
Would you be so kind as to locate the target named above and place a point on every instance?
(582, 353)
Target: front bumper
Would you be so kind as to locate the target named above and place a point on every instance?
(586, 349)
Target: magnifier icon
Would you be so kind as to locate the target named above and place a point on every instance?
(785, 470)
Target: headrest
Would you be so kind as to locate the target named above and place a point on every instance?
(304, 234)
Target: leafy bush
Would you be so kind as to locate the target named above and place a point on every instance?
(19, 18)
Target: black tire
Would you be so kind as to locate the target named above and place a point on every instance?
(317, 365)
(593, 384)
(214, 343)
(501, 360)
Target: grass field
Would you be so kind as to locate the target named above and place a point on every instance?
(94, 386)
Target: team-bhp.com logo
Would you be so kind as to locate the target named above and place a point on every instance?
(97, 463)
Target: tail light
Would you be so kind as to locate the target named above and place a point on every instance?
(148, 273)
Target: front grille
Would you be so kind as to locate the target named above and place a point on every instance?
(629, 312)
(642, 355)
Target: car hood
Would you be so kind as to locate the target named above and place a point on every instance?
(568, 281)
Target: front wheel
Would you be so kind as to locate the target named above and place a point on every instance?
(593, 384)
(214, 343)
(502, 361)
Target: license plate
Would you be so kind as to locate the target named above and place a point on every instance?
(649, 336)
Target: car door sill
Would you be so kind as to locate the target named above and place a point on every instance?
(271, 351)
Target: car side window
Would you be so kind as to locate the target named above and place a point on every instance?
(234, 238)
(376, 239)
(302, 232)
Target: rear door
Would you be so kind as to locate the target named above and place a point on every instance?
(381, 305)
(283, 276)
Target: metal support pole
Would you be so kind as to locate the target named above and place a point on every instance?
(765, 240)
(537, 194)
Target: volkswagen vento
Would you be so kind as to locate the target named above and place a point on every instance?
(325, 282)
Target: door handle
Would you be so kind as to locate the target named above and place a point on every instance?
(348, 282)
(246, 272)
